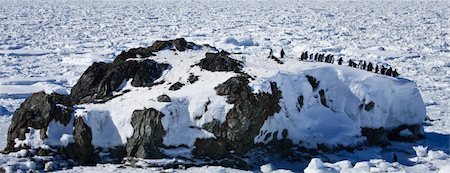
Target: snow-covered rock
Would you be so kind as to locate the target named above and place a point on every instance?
(217, 105)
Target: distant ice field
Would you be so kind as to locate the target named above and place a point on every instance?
(47, 44)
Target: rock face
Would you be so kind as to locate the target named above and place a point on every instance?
(147, 135)
(37, 112)
(243, 121)
(101, 79)
(179, 44)
(212, 106)
(220, 62)
(383, 137)
(82, 150)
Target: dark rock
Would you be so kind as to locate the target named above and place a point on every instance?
(37, 112)
(416, 130)
(313, 81)
(323, 98)
(101, 79)
(245, 119)
(220, 62)
(43, 152)
(394, 158)
(378, 137)
(281, 146)
(382, 137)
(369, 106)
(176, 86)
(147, 136)
(82, 150)
(192, 78)
(300, 103)
(212, 148)
(147, 72)
(179, 44)
(164, 98)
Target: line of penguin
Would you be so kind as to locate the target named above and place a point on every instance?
(363, 65)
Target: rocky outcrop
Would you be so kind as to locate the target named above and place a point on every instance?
(234, 131)
(82, 150)
(176, 86)
(37, 112)
(100, 80)
(220, 62)
(243, 121)
(383, 137)
(163, 98)
(147, 135)
(179, 44)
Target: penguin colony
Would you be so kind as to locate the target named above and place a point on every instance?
(363, 65)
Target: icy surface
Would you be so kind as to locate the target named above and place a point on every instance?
(46, 45)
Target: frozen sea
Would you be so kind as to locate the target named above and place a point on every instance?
(46, 45)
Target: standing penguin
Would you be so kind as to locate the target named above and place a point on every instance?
(282, 54)
(369, 67)
(340, 61)
(376, 69)
(389, 71)
(395, 73)
(350, 63)
(383, 70)
(304, 54)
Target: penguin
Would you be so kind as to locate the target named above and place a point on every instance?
(369, 67)
(270, 54)
(389, 71)
(395, 73)
(340, 61)
(282, 54)
(376, 69)
(383, 70)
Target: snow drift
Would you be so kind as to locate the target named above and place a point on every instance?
(179, 99)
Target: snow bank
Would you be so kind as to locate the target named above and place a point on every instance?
(245, 41)
(344, 110)
(432, 158)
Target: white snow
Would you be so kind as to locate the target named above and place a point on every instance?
(58, 134)
(421, 151)
(397, 101)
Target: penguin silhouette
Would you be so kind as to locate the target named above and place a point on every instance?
(340, 61)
